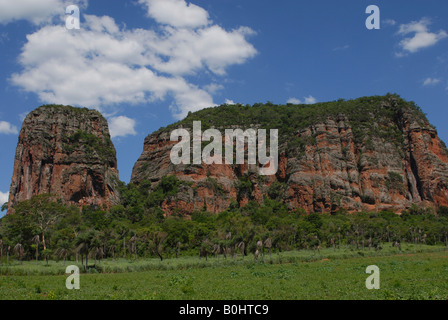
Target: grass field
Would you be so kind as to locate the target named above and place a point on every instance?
(413, 273)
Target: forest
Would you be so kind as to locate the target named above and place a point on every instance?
(44, 229)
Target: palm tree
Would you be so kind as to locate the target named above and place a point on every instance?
(7, 254)
(133, 245)
(241, 246)
(63, 249)
(205, 249)
(112, 249)
(36, 240)
(260, 249)
(83, 242)
(123, 232)
(97, 249)
(18, 251)
(1, 251)
(268, 244)
(97, 253)
(216, 250)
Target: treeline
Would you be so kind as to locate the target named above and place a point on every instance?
(42, 228)
(363, 114)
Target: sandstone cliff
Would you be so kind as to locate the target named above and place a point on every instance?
(67, 152)
(372, 153)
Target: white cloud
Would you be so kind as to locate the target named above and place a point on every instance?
(213, 88)
(37, 12)
(308, 100)
(389, 22)
(294, 101)
(103, 64)
(431, 81)
(121, 126)
(421, 38)
(342, 48)
(229, 102)
(7, 128)
(3, 197)
(176, 13)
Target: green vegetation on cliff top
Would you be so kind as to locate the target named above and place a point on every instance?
(68, 108)
(363, 115)
(91, 145)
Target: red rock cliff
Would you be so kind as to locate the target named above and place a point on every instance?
(375, 153)
(67, 152)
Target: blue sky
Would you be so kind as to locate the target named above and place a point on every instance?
(145, 63)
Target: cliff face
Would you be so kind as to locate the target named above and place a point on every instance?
(373, 153)
(67, 152)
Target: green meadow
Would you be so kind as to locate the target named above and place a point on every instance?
(415, 272)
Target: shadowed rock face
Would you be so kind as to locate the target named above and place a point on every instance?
(67, 152)
(382, 156)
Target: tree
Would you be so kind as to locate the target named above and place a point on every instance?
(112, 250)
(97, 250)
(268, 244)
(7, 254)
(64, 249)
(83, 243)
(18, 251)
(44, 210)
(47, 254)
(178, 246)
(157, 240)
(205, 249)
(133, 245)
(36, 241)
(123, 231)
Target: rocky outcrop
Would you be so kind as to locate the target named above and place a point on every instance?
(66, 152)
(375, 153)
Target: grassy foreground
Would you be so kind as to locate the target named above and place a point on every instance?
(414, 273)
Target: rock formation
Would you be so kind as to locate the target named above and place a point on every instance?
(66, 152)
(372, 153)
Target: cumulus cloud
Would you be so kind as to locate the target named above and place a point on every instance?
(7, 128)
(3, 197)
(310, 100)
(103, 64)
(307, 100)
(294, 101)
(420, 37)
(176, 13)
(431, 81)
(36, 12)
(121, 126)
